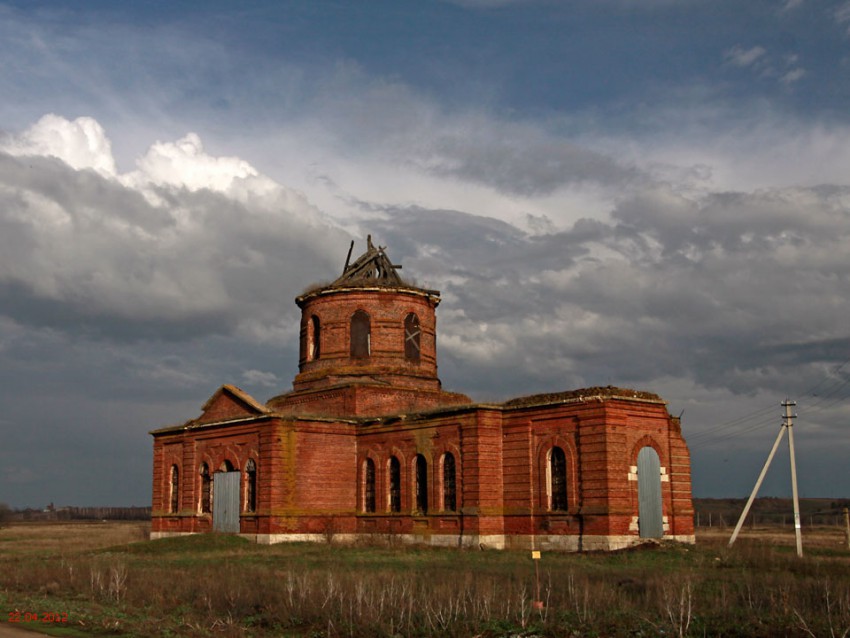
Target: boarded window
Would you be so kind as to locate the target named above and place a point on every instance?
(361, 337)
(449, 491)
(250, 486)
(421, 484)
(314, 343)
(395, 485)
(369, 486)
(412, 338)
(558, 480)
(206, 489)
(175, 489)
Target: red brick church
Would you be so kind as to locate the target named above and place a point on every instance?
(368, 443)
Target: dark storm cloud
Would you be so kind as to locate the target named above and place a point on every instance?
(79, 408)
(78, 249)
(731, 290)
(521, 162)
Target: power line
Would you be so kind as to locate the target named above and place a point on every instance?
(731, 428)
(713, 438)
(731, 424)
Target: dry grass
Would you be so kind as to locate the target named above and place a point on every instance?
(224, 586)
(817, 538)
(50, 538)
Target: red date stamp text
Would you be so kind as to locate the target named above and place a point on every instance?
(34, 616)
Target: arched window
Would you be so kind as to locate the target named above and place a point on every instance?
(361, 336)
(206, 491)
(226, 466)
(421, 484)
(314, 339)
(412, 338)
(449, 490)
(395, 485)
(557, 480)
(369, 485)
(175, 489)
(250, 486)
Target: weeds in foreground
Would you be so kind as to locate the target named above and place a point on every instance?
(835, 612)
(678, 606)
(222, 586)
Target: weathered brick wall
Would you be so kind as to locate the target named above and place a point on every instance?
(325, 466)
(517, 479)
(310, 444)
(529, 436)
(594, 468)
(601, 440)
(432, 439)
(158, 504)
(682, 514)
(329, 402)
(224, 408)
(188, 450)
(387, 309)
(483, 490)
(385, 382)
(310, 472)
(363, 399)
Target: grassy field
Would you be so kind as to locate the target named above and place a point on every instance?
(105, 579)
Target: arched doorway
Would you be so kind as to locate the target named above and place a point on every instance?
(226, 499)
(650, 518)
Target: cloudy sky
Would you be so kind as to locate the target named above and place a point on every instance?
(649, 194)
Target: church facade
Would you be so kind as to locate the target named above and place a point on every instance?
(367, 444)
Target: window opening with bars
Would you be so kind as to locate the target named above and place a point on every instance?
(558, 479)
(395, 485)
(175, 489)
(412, 338)
(361, 337)
(315, 343)
(369, 486)
(250, 486)
(449, 490)
(206, 489)
(421, 484)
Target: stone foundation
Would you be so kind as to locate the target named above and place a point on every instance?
(483, 541)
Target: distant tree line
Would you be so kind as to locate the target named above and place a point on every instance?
(107, 513)
(51, 513)
(768, 510)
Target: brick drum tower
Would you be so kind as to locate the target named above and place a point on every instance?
(368, 444)
(357, 356)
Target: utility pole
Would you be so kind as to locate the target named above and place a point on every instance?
(787, 424)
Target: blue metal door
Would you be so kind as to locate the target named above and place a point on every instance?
(226, 502)
(650, 518)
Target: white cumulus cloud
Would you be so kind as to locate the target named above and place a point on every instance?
(184, 163)
(81, 143)
(188, 240)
